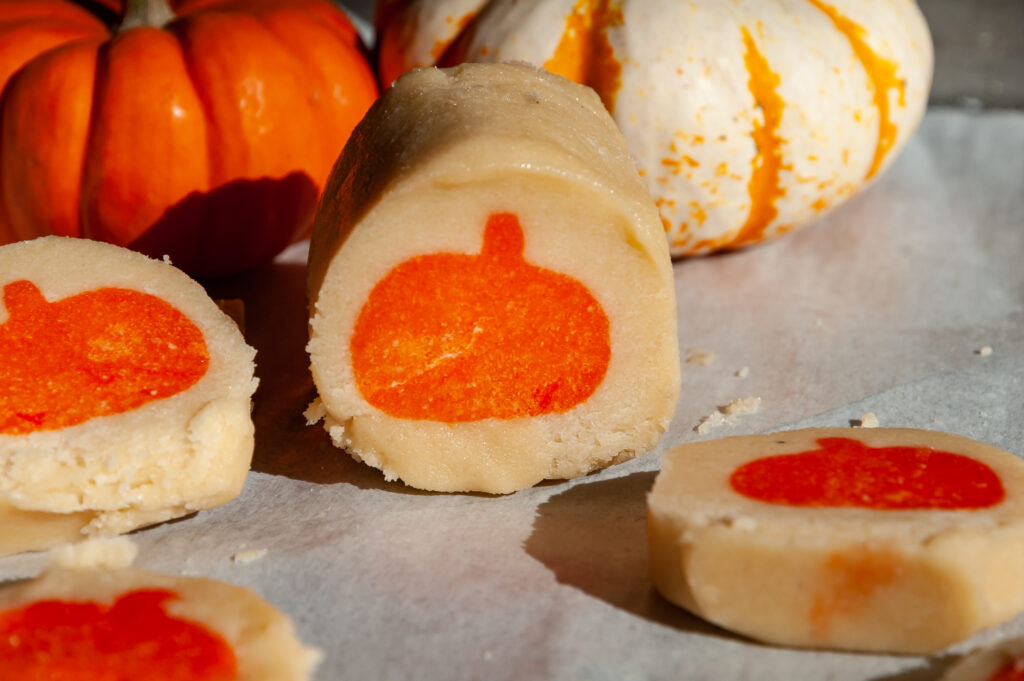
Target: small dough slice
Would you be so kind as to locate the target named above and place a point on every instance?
(125, 394)
(894, 540)
(1001, 662)
(127, 623)
(492, 302)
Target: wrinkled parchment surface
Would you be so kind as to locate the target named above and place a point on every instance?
(881, 307)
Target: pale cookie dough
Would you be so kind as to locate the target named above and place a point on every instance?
(1001, 662)
(261, 637)
(849, 577)
(441, 154)
(163, 459)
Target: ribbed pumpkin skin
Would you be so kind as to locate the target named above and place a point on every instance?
(748, 118)
(207, 140)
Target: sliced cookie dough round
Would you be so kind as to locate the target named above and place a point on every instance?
(492, 303)
(124, 394)
(895, 540)
(127, 623)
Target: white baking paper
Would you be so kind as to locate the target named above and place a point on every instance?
(884, 306)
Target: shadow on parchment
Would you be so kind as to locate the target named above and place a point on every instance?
(593, 537)
(276, 325)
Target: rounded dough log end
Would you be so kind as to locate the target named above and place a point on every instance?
(491, 295)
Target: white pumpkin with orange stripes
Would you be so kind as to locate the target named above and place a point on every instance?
(748, 118)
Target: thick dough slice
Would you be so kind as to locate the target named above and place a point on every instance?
(893, 540)
(492, 301)
(130, 623)
(124, 394)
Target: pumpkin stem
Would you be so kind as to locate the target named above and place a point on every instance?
(154, 13)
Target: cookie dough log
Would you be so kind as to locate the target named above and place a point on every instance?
(124, 394)
(895, 540)
(492, 302)
(131, 623)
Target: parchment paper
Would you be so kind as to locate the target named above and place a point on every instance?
(880, 307)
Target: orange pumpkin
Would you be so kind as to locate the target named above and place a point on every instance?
(201, 130)
(748, 119)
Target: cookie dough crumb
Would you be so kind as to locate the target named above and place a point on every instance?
(868, 420)
(700, 356)
(743, 373)
(248, 556)
(101, 554)
(984, 351)
(746, 405)
(710, 421)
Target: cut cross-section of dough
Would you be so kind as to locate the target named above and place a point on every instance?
(124, 394)
(893, 540)
(491, 300)
(129, 623)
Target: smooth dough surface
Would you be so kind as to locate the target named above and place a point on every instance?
(164, 459)
(439, 153)
(262, 638)
(906, 581)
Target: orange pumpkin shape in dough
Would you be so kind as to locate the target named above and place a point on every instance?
(97, 353)
(845, 472)
(454, 337)
(134, 638)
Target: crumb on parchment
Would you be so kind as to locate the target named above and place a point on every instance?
(729, 414)
(248, 556)
(700, 357)
(868, 420)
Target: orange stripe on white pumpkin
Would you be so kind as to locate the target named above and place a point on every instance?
(584, 53)
(764, 184)
(882, 75)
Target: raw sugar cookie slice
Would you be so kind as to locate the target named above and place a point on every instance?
(92, 624)
(124, 394)
(895, 540)
(492, 303)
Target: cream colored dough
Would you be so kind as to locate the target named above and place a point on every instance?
(439, 153)
(909, 581)
(262, 637)
(162, 460)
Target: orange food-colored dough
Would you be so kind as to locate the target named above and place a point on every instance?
(134, 638)
(97, 353)
(456, 338)
(846, 472)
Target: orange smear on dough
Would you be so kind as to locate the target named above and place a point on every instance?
(452, 337)
(847, 473)
(764, 187)
(97, 353)
(882, 74)
(130, 640)
(584, 54)
(1013, 671)
(850, 580)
